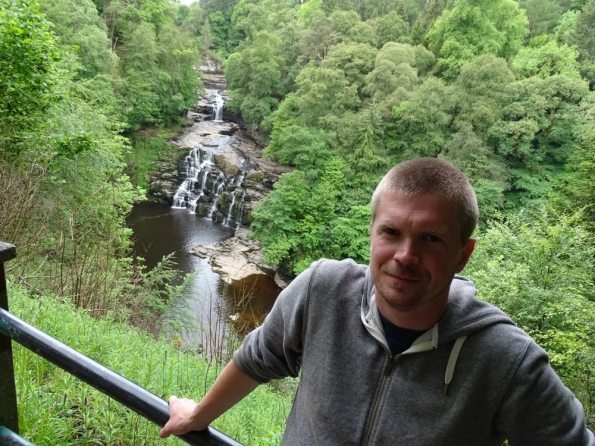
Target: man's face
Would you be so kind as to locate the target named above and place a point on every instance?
(416, 249)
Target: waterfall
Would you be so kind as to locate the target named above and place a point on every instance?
(240, 213)
(205, 189)
(228, 218)
(196, 169)
(205, 184)
(217, 103)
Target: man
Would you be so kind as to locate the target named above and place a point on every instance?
(400, 351)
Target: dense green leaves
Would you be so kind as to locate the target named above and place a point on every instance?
(476, 27)
(28, 67)
(292, 219)
(78, 24)
(538, 269)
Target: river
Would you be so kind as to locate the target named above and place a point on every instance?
(212, 306)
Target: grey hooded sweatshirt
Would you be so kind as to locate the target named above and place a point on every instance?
(474, 379)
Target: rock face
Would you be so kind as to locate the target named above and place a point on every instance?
(236, 258)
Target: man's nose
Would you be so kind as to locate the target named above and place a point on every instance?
(406, 253)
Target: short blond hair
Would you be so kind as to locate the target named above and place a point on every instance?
(432, 176)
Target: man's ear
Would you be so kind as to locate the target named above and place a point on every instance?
(465, 254)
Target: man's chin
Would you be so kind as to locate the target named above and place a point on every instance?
(399, 301)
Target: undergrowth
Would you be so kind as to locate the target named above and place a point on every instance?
(57, 409)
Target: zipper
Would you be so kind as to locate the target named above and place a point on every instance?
(388, 368)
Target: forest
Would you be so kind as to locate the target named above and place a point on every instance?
(339, 90)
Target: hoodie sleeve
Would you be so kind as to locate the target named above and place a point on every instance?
(274, 349)
(538, 409)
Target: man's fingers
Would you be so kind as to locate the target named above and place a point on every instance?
(165, 430)
(164, 433)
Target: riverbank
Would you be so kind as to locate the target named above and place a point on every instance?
(56, 408)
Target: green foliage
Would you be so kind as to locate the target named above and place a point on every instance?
(486, 171)
(476, 27)
(310, 11)
(140, 160)
(368, 158)
(480, 92)
(255, 78)
(78, 24)
(350, 234)
(422, 123)
(538, 268)
(356, 60)
(391, 28)
(546, 60)
(577, 181)
(56, 408)
(160, 79)
(542, 15)
(292, 220)
(322, 94)
(584, 40)
(536, 134)
(348, 27)
(307, 149)
(28, 68)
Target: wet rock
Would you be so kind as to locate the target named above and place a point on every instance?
(235, 259)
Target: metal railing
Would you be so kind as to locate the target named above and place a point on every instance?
(103, 379)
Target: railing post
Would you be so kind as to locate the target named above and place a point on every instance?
(8, 400)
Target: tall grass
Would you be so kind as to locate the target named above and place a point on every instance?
(57, 409)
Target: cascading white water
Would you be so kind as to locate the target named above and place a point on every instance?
(204, 186)
(217, 104)
(229, 212)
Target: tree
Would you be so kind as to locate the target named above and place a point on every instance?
(302, 147)
(391, 28)
(584, 40)
(479, 92)
(177, 58)
(538, 268)
(422, 124)
(156, 12)
(486, 171)
(291, 221)
(255, 77)
(542, 15)
(576, 183)
(78, 24)
(28, 69)
(356, 60)
(349, 27)
(536, 133)
(368, 157)
(393, 78)
(142, 77)
(318, 40)
(546, 60)
(323, 94)
(474, 27)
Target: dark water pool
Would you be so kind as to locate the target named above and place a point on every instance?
(160, 230)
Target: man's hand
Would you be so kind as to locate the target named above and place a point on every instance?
(187, 415)
(184, 417)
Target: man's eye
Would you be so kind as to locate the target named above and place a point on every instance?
(432, 238)
(390, 231)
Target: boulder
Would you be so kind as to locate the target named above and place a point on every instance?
(235, 259)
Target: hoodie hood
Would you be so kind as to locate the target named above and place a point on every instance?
(464, 315)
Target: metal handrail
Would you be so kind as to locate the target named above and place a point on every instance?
(10, 438)
(103, 379)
